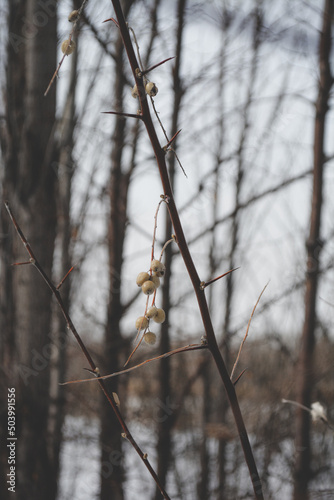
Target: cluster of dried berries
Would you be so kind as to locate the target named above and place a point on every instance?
(149, 282)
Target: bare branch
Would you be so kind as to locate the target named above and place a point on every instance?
(190, 347)
(247, 330)
(75, 24)
(86, 353)
(184, 249)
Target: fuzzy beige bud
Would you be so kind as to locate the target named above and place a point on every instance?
(150, 338)
(73, 16)
(68, 47)
(151, 89)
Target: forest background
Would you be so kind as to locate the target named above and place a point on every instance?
(250, 87)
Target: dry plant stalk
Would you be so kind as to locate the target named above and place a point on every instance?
(247, 330)
(74, 27)
(198, 285)
(212, 345)
(93, 368)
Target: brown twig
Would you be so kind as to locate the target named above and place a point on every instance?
(247, 330)
(183, 246)
(190, 347)
(135, 348)
(239, 376)
(74, 27)
(64, 278)
(126, 433)
(111, 19)
(156, 223)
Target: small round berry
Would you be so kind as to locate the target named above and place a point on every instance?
(73, 16)
(151, 312)
(148, 287)
(160, 316)
(160, 274)
(134, 92)
(157, 266)
(150, 338)
(141, 323)
(155, 280)
(141, 278)
(67, 47)
(151, 89)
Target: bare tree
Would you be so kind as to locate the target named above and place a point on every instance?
(29, 182)
(305, 367)
(165, 425)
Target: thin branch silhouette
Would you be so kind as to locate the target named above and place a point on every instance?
(184, 250)
(93, 368)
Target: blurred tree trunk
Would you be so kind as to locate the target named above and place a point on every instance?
(29, 185)
(305, 373)
(112, 474)
(203, 486)
(165, 423)
(256, 19)
(64, 169)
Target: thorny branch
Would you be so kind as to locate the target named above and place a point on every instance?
(94, 369)
(190, 347)
(74, 27)
(183, 246)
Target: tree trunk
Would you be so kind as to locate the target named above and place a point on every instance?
(305, 374)
(28, 185)
(110, 435)
(165, 423)
(64, 169)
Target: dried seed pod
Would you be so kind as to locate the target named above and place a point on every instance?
(156, 280)
(157, 266)
(141, 278)
(73, 16)
(67, 47)
(141, 323)
(134, 92)
(116, 399)
(148, 287)
(151, 312)
(151, 89)
(150, 338)
(160, 316)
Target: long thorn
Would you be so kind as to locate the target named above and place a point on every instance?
(127, 115)
(155, 66)
(171, 140)
(204, 284)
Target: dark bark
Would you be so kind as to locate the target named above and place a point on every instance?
(64, 169)
(29, 185)
(235, 239)
(305, 366)
(165, 424)
(112, 474)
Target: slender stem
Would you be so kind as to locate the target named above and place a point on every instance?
(211, 338)
(190, 347)
(126, 433)
(246, 334)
